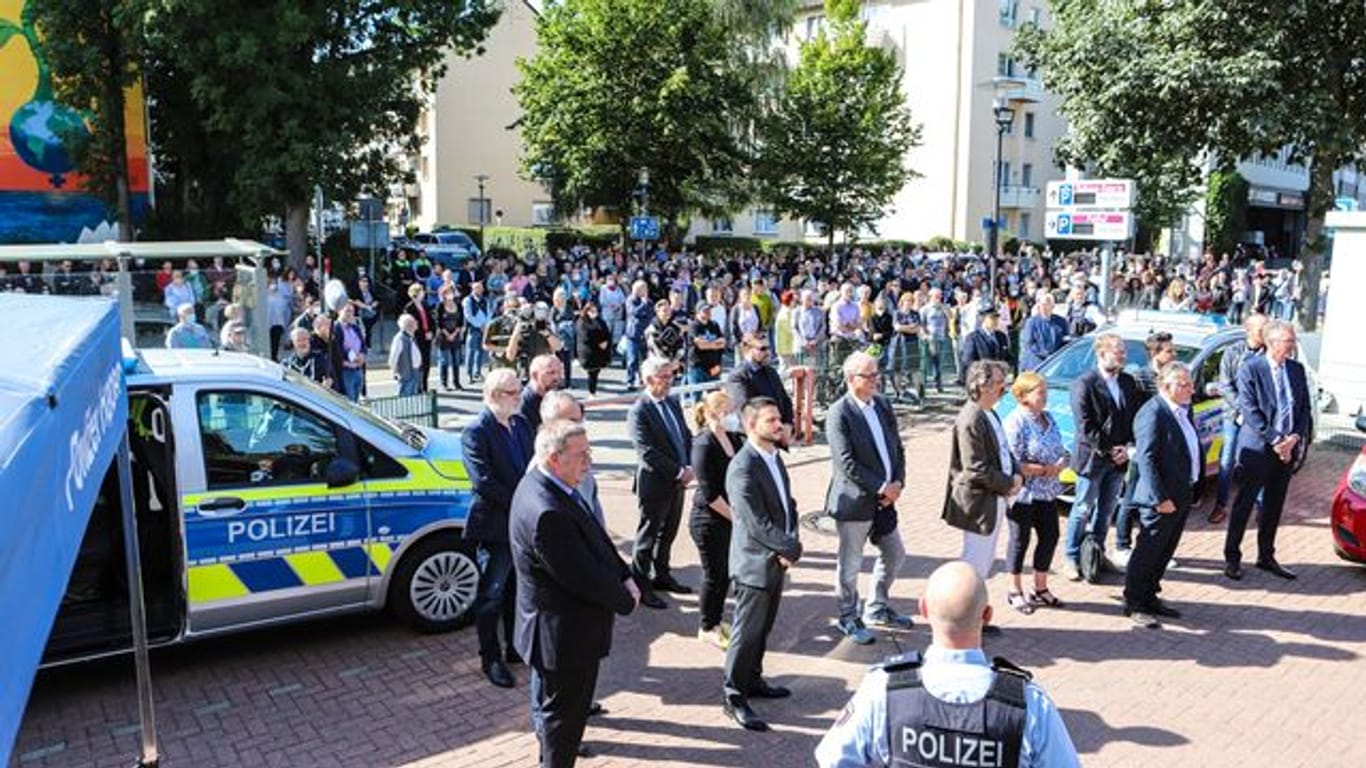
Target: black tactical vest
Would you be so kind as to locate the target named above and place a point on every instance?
(924, 732)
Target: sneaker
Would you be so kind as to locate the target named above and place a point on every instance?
(1119, 558)
(886, 617)
(715, 636)
(1172, 564)
(856, 631)
(1071, 570)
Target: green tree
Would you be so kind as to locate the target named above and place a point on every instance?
(1186, 80)
(324, 93)
(834, 148)
(620, 85)
(93, 49)
(1225, 211)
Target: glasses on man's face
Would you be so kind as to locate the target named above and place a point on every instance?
(509, 392)
(760, 349)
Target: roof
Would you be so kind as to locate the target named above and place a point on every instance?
(1188, 329)
(180, 364)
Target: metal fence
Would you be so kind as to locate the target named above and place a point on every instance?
(419, 409)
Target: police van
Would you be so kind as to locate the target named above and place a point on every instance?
(263, 498)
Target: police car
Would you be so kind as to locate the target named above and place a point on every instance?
(262, 498)
(1200, 341)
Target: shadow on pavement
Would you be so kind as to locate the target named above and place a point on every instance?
(1090, 733)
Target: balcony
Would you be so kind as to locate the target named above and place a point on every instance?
(1016, 196)
(1030, 91)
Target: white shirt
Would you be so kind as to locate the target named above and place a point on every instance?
(869, 412)
(771, 461)
(1002, 446)
(1112, 384)
(1187, 429)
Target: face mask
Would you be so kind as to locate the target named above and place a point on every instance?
(731, 422)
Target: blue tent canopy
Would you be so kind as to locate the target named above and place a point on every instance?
(63, 414)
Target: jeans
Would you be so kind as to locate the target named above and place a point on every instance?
(891, 552)
(1230, 435)
(1097, 496)
(352, 381)
(474, 353)
(408, 385)
(634, 347)
(931, 355)
(695, 375)
(448, 359)
(1040, 515)
(497, 585)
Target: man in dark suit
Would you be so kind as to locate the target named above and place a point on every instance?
(497, 448)
(1104, 400)
(545, 373)
(755, 377)
(570, 581)
(985, 343)
(1168, 464)
(763, 546)
(1274, 403)
(867, 474)
(663, 446)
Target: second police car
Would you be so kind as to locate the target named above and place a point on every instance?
(263, 498)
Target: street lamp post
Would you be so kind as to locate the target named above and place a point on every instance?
(643, 176)
(1005, 115)
(481, 178)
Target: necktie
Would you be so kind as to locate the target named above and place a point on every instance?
(674, 436)
(1284, 415)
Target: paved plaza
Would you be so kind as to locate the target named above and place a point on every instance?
(1257, 673)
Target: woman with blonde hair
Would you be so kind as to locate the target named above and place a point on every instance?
(1037, 449)
(717, 440)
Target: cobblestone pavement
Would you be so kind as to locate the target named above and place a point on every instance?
(1258, 673)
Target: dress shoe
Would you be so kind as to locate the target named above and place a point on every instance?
(597, 710)
(1159, 608)
(671, 585)
(651, 600)
(584, 751)
(739, 711)
(765, 691)
(1276, 569)
(498, 674)
(1233, 571)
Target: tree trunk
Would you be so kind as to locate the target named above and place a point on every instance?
(296, 233)
(1320, 200)
(113, 109)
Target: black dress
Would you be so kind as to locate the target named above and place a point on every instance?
(710, 531)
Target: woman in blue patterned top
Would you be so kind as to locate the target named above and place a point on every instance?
(1037, 448)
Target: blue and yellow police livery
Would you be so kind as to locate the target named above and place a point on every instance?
(263, 498)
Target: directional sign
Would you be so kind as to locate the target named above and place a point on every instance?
(644, 227)
(1088, 225)
(1110, 194)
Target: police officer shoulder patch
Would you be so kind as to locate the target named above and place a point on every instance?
(900, 662)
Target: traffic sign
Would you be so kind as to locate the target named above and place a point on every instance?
(1112, 194)
(1088, 225)
(644, 227)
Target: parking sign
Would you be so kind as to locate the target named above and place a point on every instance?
(644, 227)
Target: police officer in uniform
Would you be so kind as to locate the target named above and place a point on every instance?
(950, 707)
(498, 335)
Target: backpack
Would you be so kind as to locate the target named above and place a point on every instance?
(1091, 558)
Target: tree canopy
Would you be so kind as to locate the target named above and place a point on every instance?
(1152, 87)
(620, 85)
(833, 150)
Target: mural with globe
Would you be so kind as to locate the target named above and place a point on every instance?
(41, 195)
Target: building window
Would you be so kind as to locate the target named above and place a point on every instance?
(1036, 16)
(1027, 175)
(1010, 11)
(1023, 234)
(765, 223)
(1005, 66)
(479, 211)
(723, 226)
(1005, 173)
(542, 214)
(814, 25)
(1029, 125)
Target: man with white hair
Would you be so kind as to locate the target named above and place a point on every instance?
(187, 333)
(951, 703)
(663, 447)
(1043, 333)
(570, 582)
(405, 359)
(304, 359)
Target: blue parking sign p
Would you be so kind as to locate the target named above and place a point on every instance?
(1064, 198)
(1064, 220)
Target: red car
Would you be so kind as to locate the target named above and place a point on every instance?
(1349, 508)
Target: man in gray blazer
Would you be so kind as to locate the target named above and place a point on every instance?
(866, 479)
(981, 472)
(763, 546)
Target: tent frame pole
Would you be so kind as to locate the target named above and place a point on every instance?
(149, 758)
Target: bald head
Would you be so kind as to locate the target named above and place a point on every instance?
(955, 603)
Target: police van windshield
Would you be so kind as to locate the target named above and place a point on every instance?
(410, 435)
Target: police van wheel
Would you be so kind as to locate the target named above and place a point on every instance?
(435, 584)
